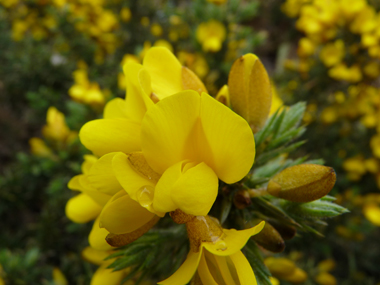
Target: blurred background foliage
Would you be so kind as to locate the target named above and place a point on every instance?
(61, 61)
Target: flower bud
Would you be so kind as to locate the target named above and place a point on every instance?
(223, 96)
(250, 90)
(302, 183)
(325, 278)
(286, 231)
(269, 238)
(242, 199)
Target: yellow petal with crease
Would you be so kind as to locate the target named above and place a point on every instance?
(164, 70)
(97, 237)
(138, 91)
(162, 200)
(104, 275)
(130, 180)
(196, 189)
(235, 240)
(186, 271)
(86, 188)
(221, 262)
(123, 215)
(74, 183)
(204, 272)
(110, 135)
(82, 209)
(186, 186)
(88, 162)
(167, 128)
(231, 150)
(191, 81)
(102, 177)
(244, 269)
(116, 108)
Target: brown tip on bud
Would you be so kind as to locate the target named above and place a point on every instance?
(180, 217)
(269, 238)
(242, 199)
(302, 183)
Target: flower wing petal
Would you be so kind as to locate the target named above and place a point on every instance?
(123, 215)
(101, 175)
(82, 209)
(229, 140)
(110, 135)
(130, 180)
(97, 237)
(244, 269)
(186, 271)
(116, 108)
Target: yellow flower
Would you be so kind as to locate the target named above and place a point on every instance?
(168, 155)
(85, 91)
(218, 262)
(342, 72)
(372, 213)
(211, 35)
(333, 53)
(39, 148)
(56, 128)
(375, 145)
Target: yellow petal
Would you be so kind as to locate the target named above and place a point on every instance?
(58, 277)
(250, 90)
(131, 181)
(234, 240)
(110, 135)
(107, 276)
(204, 272)
(88, 162)
(231, 144)
(82, 209)
(123, 215)
(166, 128)
(94, 256)
(244, 269)
(102, 177)
(164, 70)
(115, 108)
(191, 81)
(124, 239)
(184, 274)
(188, 126)
(138, 91)
(225, 272)
(302, 183)
(189, 187)
(97, 237)
(74, 183)
(86, 188)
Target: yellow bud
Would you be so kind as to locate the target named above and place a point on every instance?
(280, 267)
(223, 96)
(269, 238)
(302, 183)
(326, 265)
(250, 90)
(325, 278)
(191, 81)
(298, 276)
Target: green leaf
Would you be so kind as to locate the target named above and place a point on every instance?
(257, 263)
